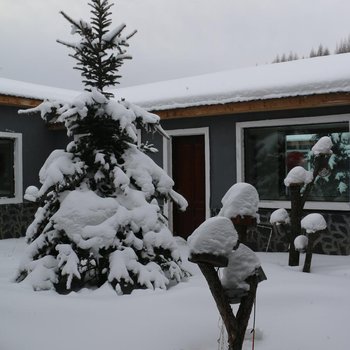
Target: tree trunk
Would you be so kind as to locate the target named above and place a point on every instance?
(295, 218)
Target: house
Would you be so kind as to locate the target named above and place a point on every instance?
(253, 125)
(250, 125)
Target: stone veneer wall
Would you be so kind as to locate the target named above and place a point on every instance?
(335, 241)
(15, 218)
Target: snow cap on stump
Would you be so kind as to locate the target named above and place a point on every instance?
(279, 216)
(215, 236)
(298, 175)
(241, 199)
(243, 263)
(313, 223)
(300, 243)
(322, 146)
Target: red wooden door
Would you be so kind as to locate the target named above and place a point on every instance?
(189, 176)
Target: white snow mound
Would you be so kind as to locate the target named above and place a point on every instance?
(300, 243)
(313, 223)
(241, 199)
(242, 263)
(280, 216)
(322, 146)
(298, 175)
(216, 236)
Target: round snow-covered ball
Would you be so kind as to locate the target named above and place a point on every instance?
(241, 199)
(322, 146)
(279, 216)
(298, 175)
(313, 223)
(300, 243)
(31, 194)
(216, 236)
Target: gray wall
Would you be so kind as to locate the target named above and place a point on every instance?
(38, 141)
(222, 131)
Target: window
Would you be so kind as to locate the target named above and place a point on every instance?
(10, 168)
(271, 148)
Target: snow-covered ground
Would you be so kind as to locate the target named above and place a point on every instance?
(295, 311)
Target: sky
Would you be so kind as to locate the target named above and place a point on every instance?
(176, 38)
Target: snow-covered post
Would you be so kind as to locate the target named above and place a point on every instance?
(295, 180)
(215, 243)
(240, 204)
(314, 224)
(280, 219)
(300, 182)
(210, 246)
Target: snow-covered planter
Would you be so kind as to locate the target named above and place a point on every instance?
(212, 241)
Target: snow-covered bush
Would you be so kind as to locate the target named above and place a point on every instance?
(99, 218)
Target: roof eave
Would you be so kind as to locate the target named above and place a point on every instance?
(274, 104)
(18, 101)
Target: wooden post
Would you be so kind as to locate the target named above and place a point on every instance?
(295, 226)
(312, 238)
(221, 301)
(244, 311)
(241, 225)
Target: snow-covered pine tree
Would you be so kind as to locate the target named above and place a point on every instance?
(99, 218)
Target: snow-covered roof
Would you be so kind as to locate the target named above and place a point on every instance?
(317, 75)
(28, 90)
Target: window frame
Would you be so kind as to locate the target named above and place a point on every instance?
(240, 127)
(18, 168)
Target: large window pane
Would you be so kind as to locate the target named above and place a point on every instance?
(270, 152)
(7, 176)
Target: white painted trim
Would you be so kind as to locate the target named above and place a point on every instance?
(167, 163)
(18, 167)
(341, 206)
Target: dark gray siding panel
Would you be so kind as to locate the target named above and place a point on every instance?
(38, 141)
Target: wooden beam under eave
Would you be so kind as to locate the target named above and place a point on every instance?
(275, 104)
(15, 101)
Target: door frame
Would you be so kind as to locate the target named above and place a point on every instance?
(168, 165)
